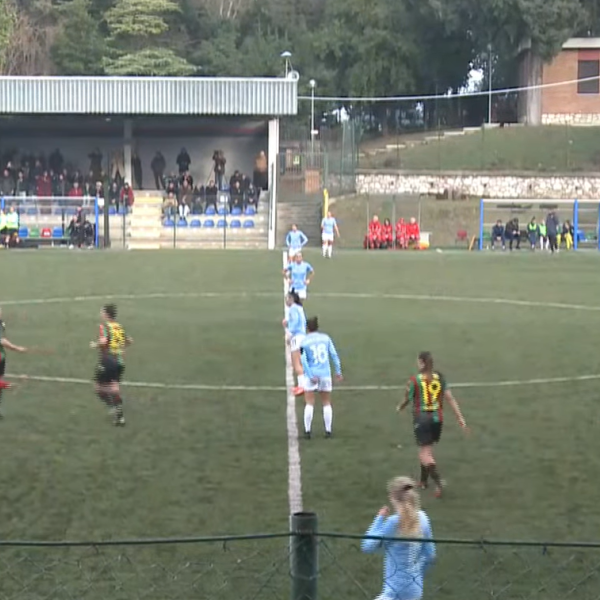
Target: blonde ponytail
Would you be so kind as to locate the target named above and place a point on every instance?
(407, 503)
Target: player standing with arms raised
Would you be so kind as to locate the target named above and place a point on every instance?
(317, 350)
(4, 346)
(299, 274)
(111, 342)
(329, 230)
(295, 241)
(427, 391)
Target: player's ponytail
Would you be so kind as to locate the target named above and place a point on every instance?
(405, 499)
(295, 297)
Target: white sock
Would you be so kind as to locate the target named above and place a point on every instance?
(330, 251)
(324, 249)
(309, 409)
(328, 417)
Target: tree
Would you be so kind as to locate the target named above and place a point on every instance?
(79, 48)
(8, 24)
(140, 36)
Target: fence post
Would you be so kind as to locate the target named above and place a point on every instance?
(304, 556)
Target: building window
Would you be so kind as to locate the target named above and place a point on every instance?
(588, 68)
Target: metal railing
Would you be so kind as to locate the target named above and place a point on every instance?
(301, 565)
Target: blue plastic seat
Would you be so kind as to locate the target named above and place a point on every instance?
(57, 232)
(23, 232)
(581, 237)
(210, 210)
(237, 211)
(223, 211)
(112, 210)
(122, 210)
(248, 224)
(195, 223)
(182, 223)
(235, 224)
(169, 223)
(209, 223)
(250, 211)
(221, 223)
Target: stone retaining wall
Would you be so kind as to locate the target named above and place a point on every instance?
(571, 119)
(584, 186)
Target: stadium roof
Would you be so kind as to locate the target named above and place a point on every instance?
(148, 96)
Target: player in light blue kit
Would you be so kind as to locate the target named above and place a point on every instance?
(295, 332)
(317, 350)
(329, 230)
(295, 241)
(405, 562)
(299, 273)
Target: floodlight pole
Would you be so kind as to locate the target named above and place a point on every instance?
(312, 84)
(490, 84)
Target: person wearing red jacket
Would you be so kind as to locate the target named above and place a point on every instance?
(373, 238)
(43, 187)
(76, 191)
(127, 198)
(414, 233)
(387, 234)
(401, 234)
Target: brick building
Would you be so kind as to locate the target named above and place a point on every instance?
(577, 103)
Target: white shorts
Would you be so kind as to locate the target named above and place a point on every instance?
(327, 237)
(295, 342)
(293, 251)
(325, 384)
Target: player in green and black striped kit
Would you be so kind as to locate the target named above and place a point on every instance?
(427, 392)
(4, 346)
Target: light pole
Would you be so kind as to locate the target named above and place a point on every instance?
(286, 59)
(490, 84)
(313, 84)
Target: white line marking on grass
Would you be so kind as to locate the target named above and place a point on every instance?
(294, 466)
(279, 388)
(348, 295)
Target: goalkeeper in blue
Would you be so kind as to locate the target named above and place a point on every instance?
(295, 240)
(405, 562)
(318, 351)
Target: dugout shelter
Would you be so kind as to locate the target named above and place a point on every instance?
(125, 117)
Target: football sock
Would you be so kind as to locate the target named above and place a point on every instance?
(329, 251)
(324, 250)
(424, 474)
(117, 402)
(328, 417)
(435, 475)
(309, 410)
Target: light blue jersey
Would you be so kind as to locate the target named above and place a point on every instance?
(296, 240)
(317, 351)
(405, 563)
(328, 225)
(296, 320)
(298, 274)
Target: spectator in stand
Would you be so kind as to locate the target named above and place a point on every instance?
(170, 205)
(498, 235)
(35, 173)
(183, 161)
(136, 168)
(251, 197)
(185, 199)
(171, 183)
(532, 233)
(197, 200)
(114, 195)
(99, 190)
(211, 192)
(236, 196)
(261, 169)
(158, 166)
(95, 164)
(77, 178)
(387, 234)
(552, 231)
(7, 184)
(127, 198)
(76, 191)
(568, 232)
(21, 186)
(219, 168)
(413, 233)
(373, 238)
(44, 186)
(512, 232)
(401, 235)
(56, 161)
(60, 186)
(238, 178)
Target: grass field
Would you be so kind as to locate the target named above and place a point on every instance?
(209, 461)
(547, 149)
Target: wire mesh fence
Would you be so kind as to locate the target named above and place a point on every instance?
(254, 567)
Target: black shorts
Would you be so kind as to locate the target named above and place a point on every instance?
(110, 370)
(2, 367)
(427, 431)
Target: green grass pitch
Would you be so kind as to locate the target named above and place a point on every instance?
(209, 461)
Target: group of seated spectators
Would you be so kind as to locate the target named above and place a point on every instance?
(382, 236)
(182, 197)
(548, 234)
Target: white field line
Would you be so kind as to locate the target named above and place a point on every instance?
(275, 388)
(349, 295)
(294, 465)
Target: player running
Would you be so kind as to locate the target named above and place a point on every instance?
(4, 346)
(427, 391)
(295, 241)
(329, 230)
(295, 326)
(317, 349)
(111, 342)
(299, 274)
